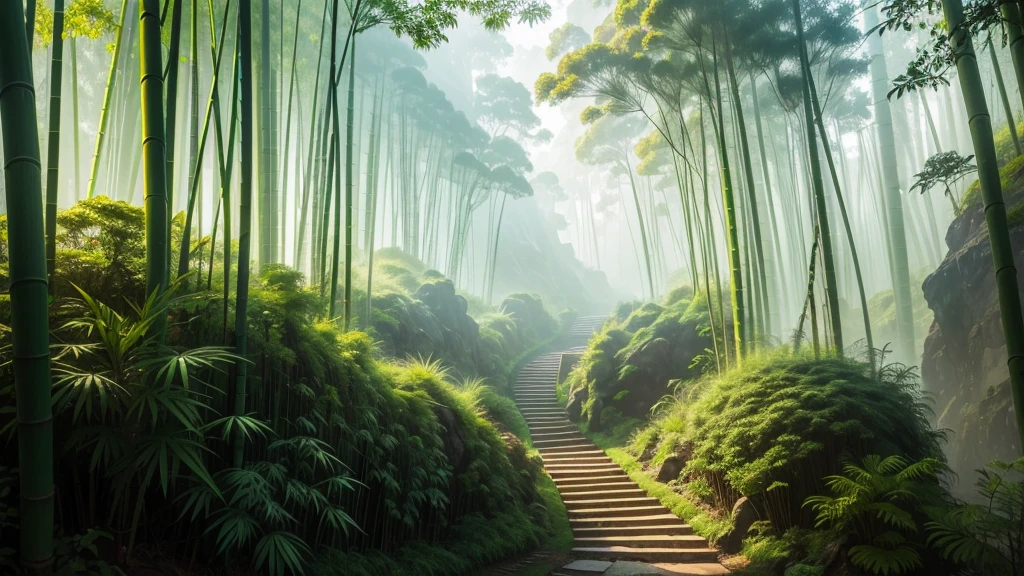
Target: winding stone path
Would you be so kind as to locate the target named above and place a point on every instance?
(610, 516)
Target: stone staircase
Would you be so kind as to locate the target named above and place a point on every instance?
(610, 516)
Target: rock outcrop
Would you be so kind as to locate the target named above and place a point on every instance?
(964, 362)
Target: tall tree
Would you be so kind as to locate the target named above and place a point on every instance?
(245, 223)
(154, 148)
(53, 141)
(29, 315)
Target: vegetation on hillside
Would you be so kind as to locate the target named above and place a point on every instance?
(352, 446)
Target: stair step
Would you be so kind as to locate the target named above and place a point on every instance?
(605, 503)
(650, 554)
(616, 512)
(678, 529)
(661, 519)
(607, 494)
(623, 483)
(570, 480)
(688, 542)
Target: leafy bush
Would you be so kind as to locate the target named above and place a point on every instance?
(987, 538)
(878, 506)
(629, 366)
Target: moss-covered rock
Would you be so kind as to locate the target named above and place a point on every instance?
(629, 366)
(772, 430)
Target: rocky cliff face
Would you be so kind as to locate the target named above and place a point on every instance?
(964, 362)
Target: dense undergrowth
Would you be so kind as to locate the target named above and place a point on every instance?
(642, 348)
(364, 452)
(829, 465)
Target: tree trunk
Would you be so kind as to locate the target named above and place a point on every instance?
(350, 169)
(29, 314)
(1003, 96)
(244, 225)
(893, 201)
(831, 288)
(53, 142)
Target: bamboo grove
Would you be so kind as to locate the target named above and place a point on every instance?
(291, 133)
(221, 391)
(746, 129)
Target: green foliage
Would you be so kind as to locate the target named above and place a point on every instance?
(877, 504)
(642, 349)
(987, 537)
(771, 430)
(945, 168)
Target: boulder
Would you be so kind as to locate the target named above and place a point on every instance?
(575, 406)
(672, 467)
(744, 514)
(453, 445)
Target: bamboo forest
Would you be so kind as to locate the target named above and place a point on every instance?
(511, 287)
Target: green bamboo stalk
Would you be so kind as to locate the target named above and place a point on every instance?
(212, 105)
(310, 174)
(76, 147)
(1014, 25)
(1003, 96)
(866, 315)
(992, 196)
(107, 94)
(153, 148)
(266, 213)
(288, 120)
(28, 291)
(245, 224)
(831, 289)
(765, 267)
(30, 23)
(350, 169)
(732, 232)
(774, 231)
(892, 199)
(53, 142)
(170, 119)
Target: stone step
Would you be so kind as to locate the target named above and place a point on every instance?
(554, 434)
(679, 529)
(553, 428)
(556, 450)
(620, 492)
(627, 522)
(617, 512)
(583, 474)
(642, 541)
(602, 503)
(570, 480)
(576, 441)
(595, 459)
(585, 465)
(624, 482)
(650, 554)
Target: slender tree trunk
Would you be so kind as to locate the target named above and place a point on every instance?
(893, 201)
(107, 94)
(992, 197)
(1011, 123)
(53, 142)
(245, 225)
(765, 267)
(1014, 25)
(350, 169)
(77, 125)
(153, 148)
(213, 104)
(846, 224)
(731, 229)
(28, 290)
(831, 289)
